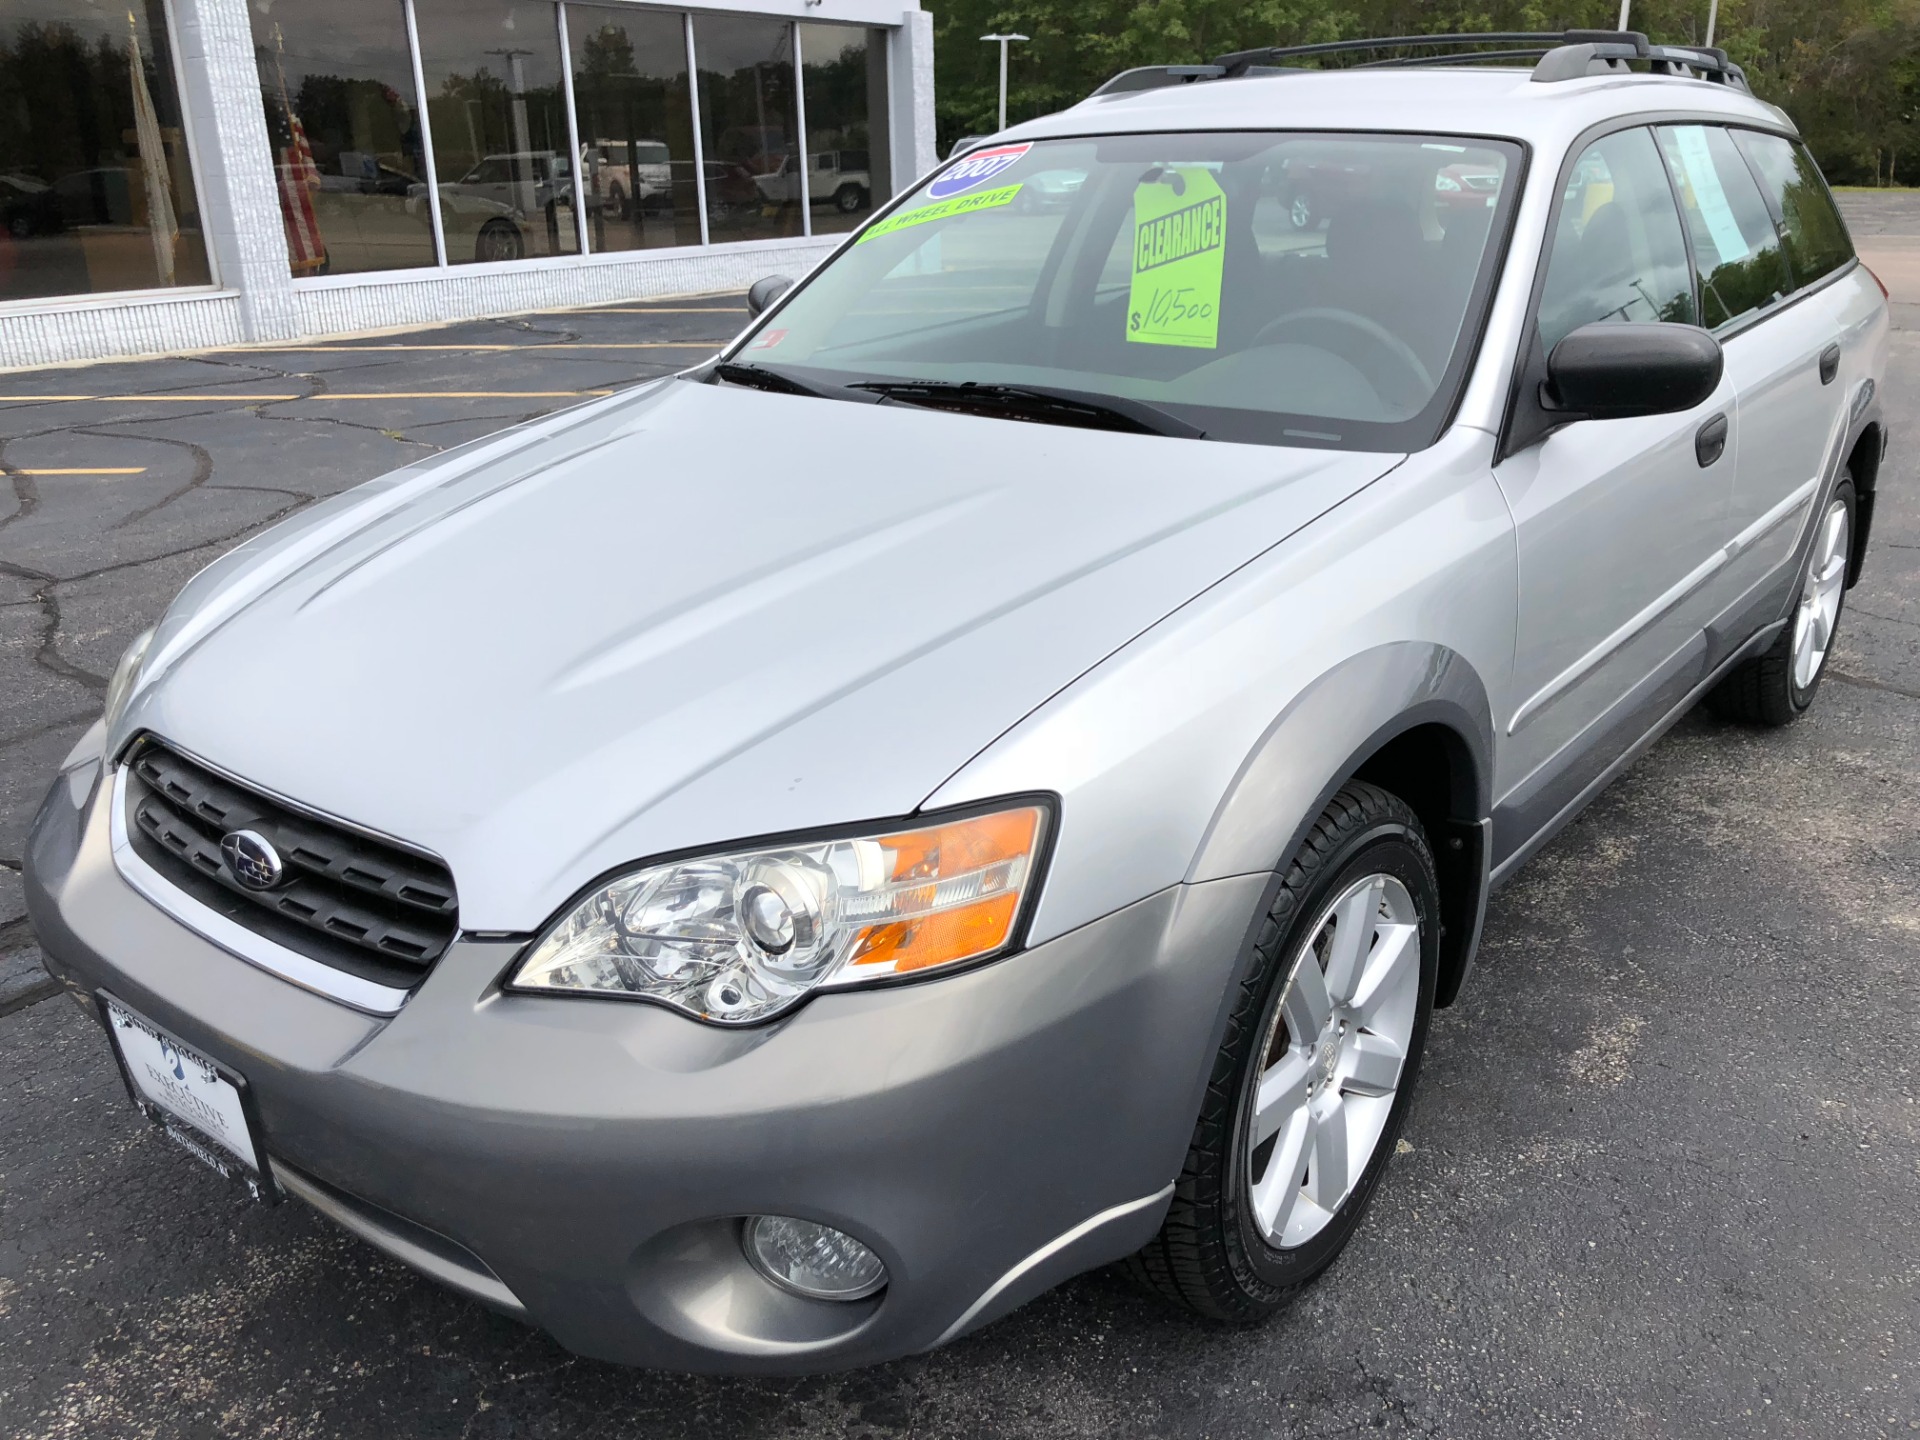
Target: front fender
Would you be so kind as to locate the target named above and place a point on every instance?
(1328, 735)
(1324, 736)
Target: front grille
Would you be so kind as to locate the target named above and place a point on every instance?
(362, 905)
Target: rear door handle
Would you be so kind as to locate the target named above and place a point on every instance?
(1710, 441)
(1829, 363)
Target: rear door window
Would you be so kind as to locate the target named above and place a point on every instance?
(1735, 247)
(1817, 242)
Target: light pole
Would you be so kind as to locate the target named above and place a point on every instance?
(1625, 6)
(1004, 40)
(1713, 14)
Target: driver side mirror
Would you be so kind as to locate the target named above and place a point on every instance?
(1613, 371)
(765, 291)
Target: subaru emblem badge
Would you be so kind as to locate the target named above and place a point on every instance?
(252, 859)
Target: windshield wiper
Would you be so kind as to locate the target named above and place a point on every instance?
(1047, 404)
(785, 382)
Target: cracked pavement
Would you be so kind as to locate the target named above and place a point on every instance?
(87, 561)
(1659, 1179)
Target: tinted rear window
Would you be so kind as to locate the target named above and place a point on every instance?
(1817, 242)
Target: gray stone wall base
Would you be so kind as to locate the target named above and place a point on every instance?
(429, 297)
(202, 321)
(210, 320)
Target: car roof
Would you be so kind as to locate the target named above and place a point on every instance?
(1455, 100)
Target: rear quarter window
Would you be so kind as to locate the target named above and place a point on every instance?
(1817, 242)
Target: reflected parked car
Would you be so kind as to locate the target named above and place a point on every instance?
(622, 174)
(28, 207)
(520, 183)
(839, 178)
(1466, 187)
(1050, 190)
(495, 227)
(100, 195)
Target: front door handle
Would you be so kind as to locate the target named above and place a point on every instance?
(1710, 441)
(1829, 363)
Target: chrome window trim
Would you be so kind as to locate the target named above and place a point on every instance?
(236, 939)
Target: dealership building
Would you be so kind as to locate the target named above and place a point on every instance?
(177, 174)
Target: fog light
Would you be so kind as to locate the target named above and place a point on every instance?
(812, 1260)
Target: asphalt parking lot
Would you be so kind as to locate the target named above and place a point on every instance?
(1659, 1181)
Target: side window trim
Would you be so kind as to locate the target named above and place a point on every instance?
(1680, 213)
(1794, 283)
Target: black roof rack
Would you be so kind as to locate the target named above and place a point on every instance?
(1561, 55)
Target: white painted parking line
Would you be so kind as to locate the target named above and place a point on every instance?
(342, 395)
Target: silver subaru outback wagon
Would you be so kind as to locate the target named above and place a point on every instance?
(756, 918)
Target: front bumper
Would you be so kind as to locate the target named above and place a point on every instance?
(585, 1162)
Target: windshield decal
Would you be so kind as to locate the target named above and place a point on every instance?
(964, 205)
(1179, 249)
(975, 169)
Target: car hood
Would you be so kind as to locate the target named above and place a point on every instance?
(690, 615)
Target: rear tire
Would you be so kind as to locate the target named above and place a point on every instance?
(1777, 687)
(1307, 1094)
(498, 240)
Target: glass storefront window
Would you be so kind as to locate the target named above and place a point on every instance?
(844, 71)
(344, 128)
(635, 120)
(495, 110)
(96, 191)
(749, 124)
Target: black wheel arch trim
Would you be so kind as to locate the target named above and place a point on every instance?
(1397, 689)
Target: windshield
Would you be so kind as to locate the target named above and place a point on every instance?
(1281, 288)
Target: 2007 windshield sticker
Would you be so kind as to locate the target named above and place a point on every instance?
(975, 169)
(1179, 250)
(963, 205)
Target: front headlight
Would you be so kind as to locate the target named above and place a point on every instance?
(125, 675)
(741, 936)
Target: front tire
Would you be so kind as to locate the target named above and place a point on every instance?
(1777, 687)
(1313, 1080)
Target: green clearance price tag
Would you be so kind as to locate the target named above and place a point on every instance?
(1179, 244)
(942, 210)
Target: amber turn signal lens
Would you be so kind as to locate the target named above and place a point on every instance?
(954, 891)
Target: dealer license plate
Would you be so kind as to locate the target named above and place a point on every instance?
(199, 1104)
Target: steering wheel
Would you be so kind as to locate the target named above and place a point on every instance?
(1385, 359)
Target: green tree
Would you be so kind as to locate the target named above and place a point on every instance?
(1848, 71)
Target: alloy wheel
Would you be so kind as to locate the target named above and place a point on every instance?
(1819, 608)
(1333, 1058)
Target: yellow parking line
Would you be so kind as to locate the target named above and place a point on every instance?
(344, 395)
(644, 310)
(565, 345)
(186, 399)
(118, 470)
(460, 395)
